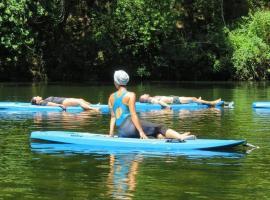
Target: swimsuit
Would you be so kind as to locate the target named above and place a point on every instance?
(58, 100)
(126, 128)
(119, 106)
(176, 100)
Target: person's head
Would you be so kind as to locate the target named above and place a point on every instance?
(36, 100)
(144, 98)
(121, 78)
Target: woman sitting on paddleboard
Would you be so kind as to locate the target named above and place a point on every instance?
(124, 116)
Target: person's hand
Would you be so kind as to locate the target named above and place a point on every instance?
(63, 107)
(143, 136)
(168, 108)
(97, 109)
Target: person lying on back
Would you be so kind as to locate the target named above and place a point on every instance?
(166, 100)
(62, 102)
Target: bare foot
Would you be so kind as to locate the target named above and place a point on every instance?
(185, 133)
(190, 137)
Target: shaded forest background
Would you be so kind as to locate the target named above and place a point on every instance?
(84, 40)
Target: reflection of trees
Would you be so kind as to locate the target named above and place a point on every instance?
(69, 176)
(16, 174)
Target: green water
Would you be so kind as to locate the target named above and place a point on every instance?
(29, 174)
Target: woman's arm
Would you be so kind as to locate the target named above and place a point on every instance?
(56, 104)
(113, 119)
(160, 102)
(134, 116)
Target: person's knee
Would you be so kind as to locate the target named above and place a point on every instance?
(167, 131)
(80, 101)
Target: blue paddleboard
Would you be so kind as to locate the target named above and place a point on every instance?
(140, 107)
(103, 142)
(21, 106)
(261, 105)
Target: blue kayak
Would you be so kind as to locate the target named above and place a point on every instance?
(74, 149)
(140, 107)
(261, 105)
(103, 142)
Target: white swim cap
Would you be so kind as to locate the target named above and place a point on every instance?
(121, 77)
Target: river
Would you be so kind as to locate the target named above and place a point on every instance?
(27, 173)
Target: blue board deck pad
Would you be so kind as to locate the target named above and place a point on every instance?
(101, 141)
(174, 140)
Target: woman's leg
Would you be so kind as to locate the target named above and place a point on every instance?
(211, 103)
(85, 105)
(78, 102)
(85, 102)
(170, 133)
(185, 100)
(198, 100)
(160, 136)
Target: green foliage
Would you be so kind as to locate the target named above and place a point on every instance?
(258, 4)
(173, 39)
(142, 72)
(142, 23)
(131, 33)
(17, 40)
(15, 33)
(251, 50)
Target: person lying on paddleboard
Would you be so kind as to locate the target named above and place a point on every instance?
(165, 101)
(124, 116)
(62, 102)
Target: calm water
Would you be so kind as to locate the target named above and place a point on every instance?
(26, 173)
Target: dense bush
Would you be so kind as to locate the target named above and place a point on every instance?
(59, 40)
(251, 47)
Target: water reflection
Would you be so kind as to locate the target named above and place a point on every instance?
(264, 112)
(52, 120)
(122, 177)
(71, 149)
(65, 119)
(125, 168)
(58, 172)
(261, 120)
